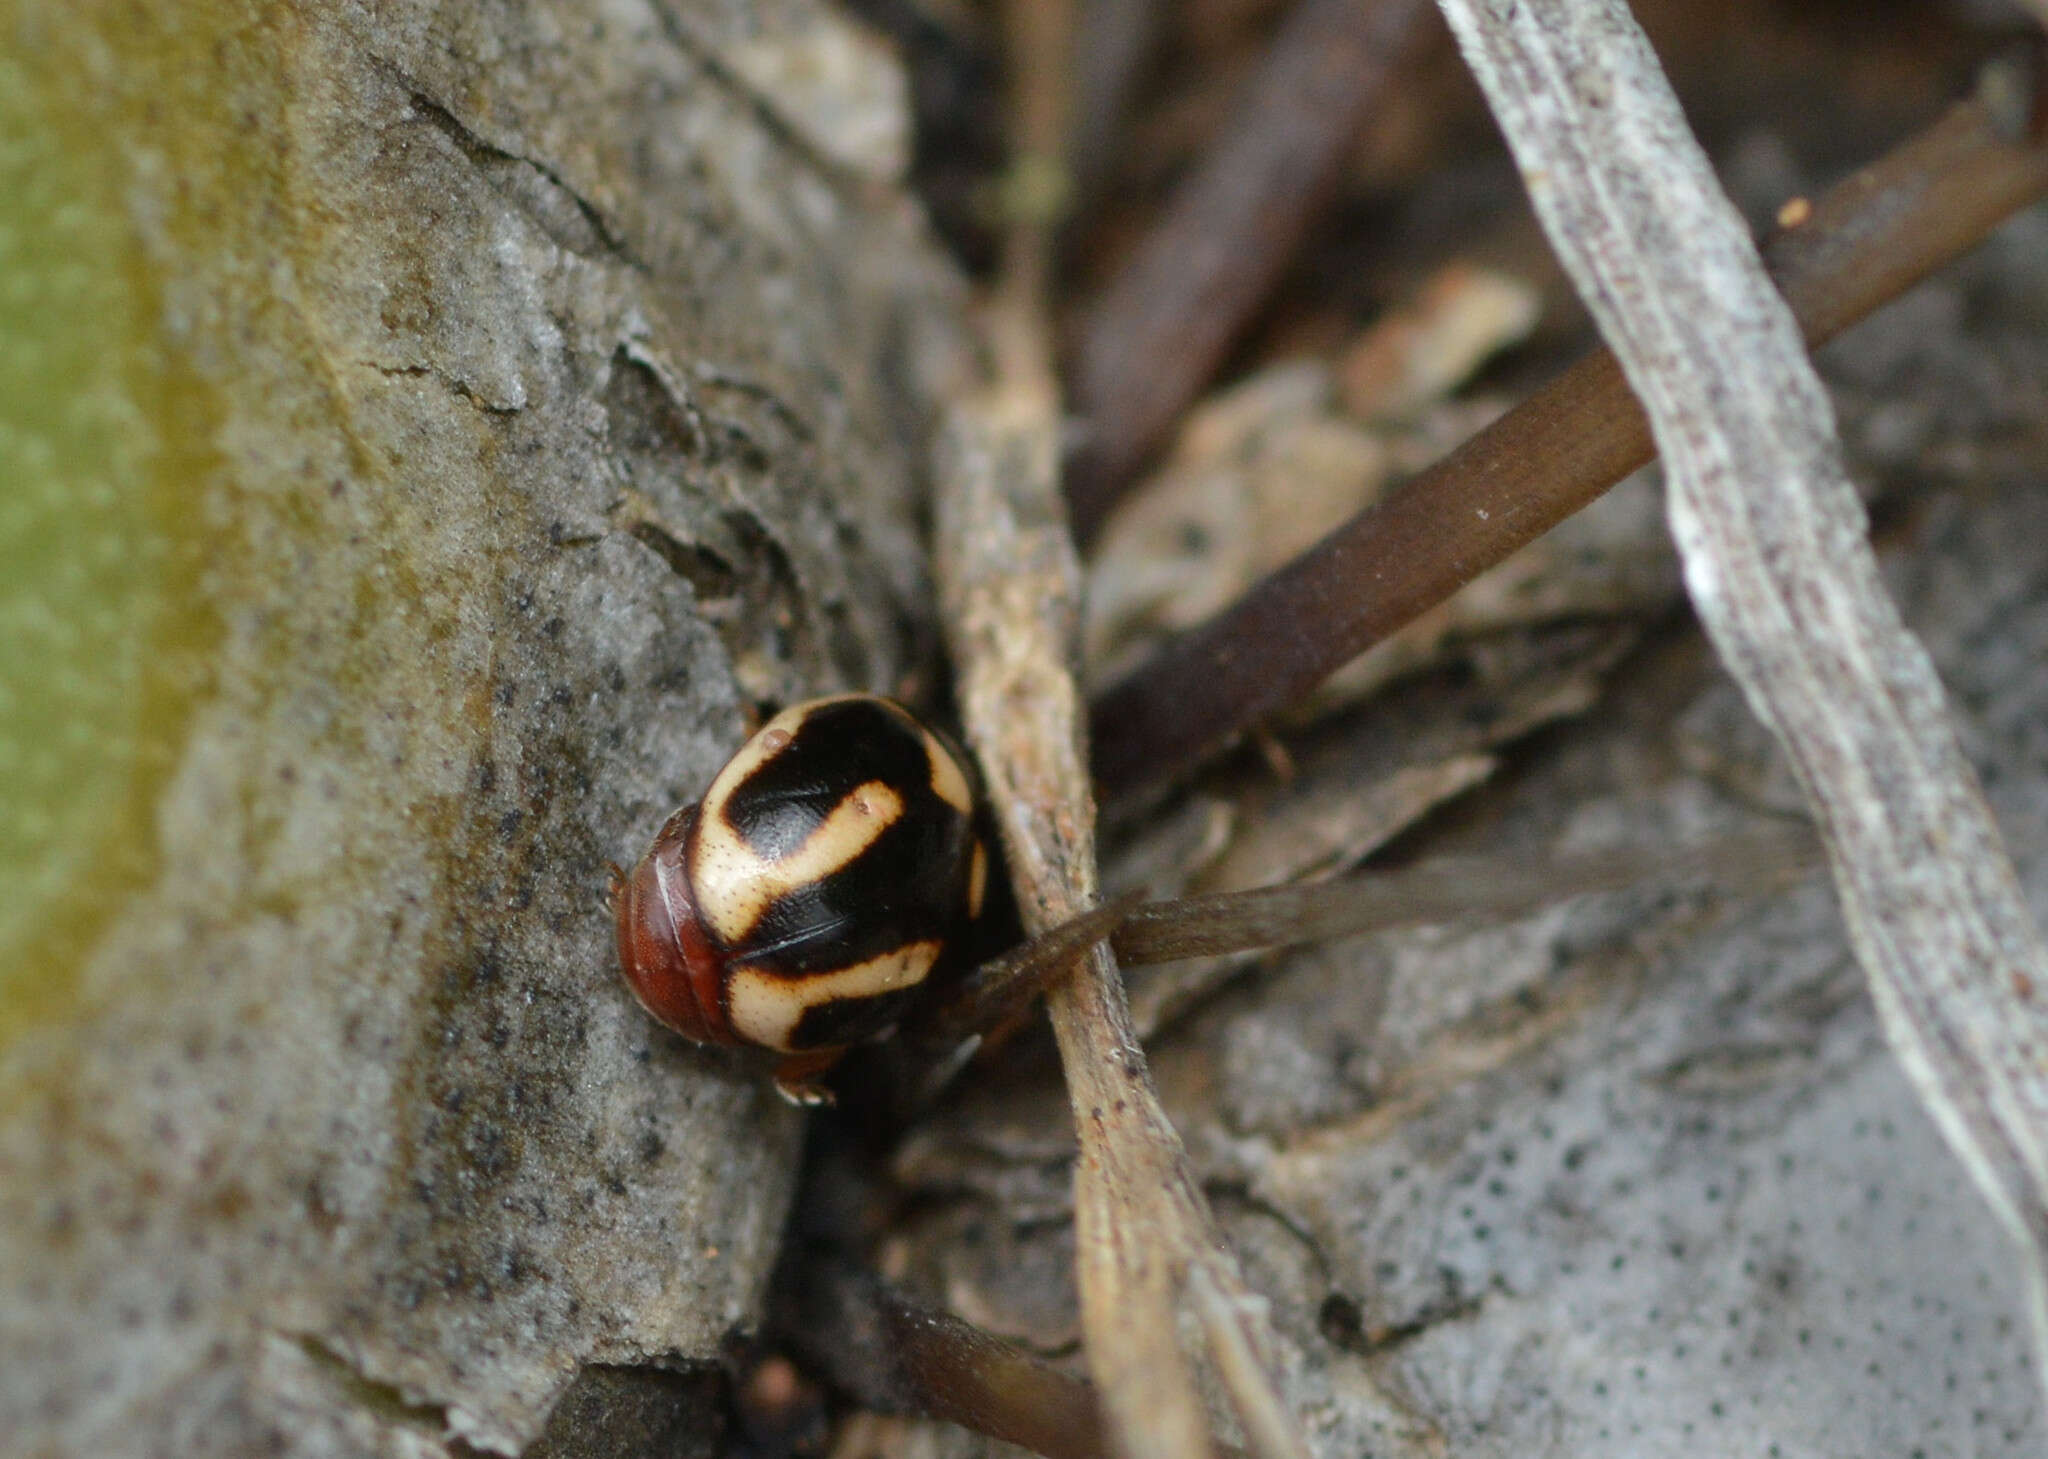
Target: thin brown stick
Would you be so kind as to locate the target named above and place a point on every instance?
(895, 1357)
(1164, 325)
(1867, 240)
(1465, 890)
(1483, 889)
(1008, 583)
(1114, 42)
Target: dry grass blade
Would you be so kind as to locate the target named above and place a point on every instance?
(1773, 541)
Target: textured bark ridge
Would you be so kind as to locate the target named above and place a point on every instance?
(534, 386)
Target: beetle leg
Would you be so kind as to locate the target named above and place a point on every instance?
(797, 1076)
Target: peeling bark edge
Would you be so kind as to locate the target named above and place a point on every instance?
(1773, 541)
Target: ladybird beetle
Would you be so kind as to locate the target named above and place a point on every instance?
(804, 902)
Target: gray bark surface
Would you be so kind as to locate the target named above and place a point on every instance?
(558, 366)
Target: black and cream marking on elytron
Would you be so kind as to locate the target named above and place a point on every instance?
(833, 862)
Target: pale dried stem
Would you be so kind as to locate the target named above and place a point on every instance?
(1007, 581)
(1009, 584)
(1772, 536)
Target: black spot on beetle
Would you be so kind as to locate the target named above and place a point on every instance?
(840, 1021)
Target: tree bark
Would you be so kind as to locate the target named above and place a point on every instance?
(517, 394)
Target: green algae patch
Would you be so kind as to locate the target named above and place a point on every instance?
(103, 631)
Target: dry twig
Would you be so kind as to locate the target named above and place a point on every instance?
(1868, 239)
(1772, 536)
(1114, 42)
(1453, 889)
(897, 1358)
(1008, 581)
(1164, 324)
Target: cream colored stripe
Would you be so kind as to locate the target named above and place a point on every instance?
(977, 879)
(735, 885)
(948, 780)
(770, 740)
(765, 1010)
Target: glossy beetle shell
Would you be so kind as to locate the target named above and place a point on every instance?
(804, 901)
